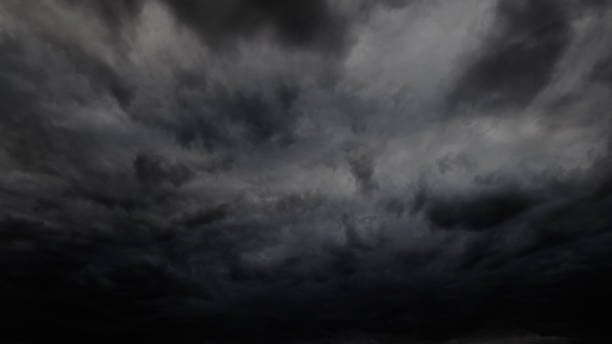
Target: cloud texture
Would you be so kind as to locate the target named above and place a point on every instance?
(305, 171)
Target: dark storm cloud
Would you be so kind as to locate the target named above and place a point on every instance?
(520, 55)
(115, 13)
(185, 171)
(218, 117)
(316, 24)
(481, 212)
(34, 77)
(206, 216)
(304, 24)
(602, 71)
(362, 168)
(153, 169)
(263, 119)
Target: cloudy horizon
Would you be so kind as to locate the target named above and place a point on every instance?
(306, 171)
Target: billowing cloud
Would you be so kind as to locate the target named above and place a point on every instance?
(350, 171)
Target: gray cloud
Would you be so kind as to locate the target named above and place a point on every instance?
(520, 55)
(389, 171)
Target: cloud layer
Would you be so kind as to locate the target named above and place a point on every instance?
(348, 171)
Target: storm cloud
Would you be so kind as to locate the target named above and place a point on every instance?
(305, 171)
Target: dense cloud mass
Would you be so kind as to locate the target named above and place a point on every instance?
(325, 171)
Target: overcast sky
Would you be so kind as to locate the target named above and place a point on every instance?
(342, 171)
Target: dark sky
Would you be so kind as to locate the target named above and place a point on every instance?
(322, 171)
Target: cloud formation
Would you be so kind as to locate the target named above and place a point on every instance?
(238, 171)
